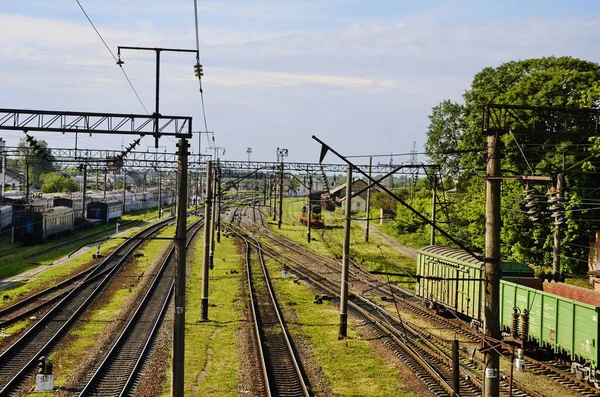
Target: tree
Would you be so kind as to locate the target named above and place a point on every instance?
(56, 182)
(37, 163)
(552, 81)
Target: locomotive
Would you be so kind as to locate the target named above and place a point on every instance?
(316, 219)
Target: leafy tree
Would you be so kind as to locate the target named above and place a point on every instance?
(552, 81)
(56, 182)
(36, 164)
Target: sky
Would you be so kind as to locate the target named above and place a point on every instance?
(362, 75)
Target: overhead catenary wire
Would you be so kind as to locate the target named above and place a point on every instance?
(113, 55)
(200, 76)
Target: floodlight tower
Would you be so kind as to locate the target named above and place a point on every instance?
(249, 151)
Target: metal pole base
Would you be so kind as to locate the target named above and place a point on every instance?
(204, 313)
(343, 326)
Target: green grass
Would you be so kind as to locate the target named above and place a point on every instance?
(90, 330)
(19, 262)
(216, 338)
(351, 367)
(374, 255)
(52, 274)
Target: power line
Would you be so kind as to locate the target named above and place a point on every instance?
(114, 57)
(200, 75)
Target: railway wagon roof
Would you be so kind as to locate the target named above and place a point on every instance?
(457, 255)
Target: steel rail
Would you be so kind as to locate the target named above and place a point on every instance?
(42, 336)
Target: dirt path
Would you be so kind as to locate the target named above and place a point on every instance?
(388, 240)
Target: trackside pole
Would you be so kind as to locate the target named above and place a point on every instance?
(178, 368)
(207, 238)
(346, 259)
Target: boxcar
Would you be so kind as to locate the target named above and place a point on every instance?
(453, 279)
(105, 210)
(562, 318)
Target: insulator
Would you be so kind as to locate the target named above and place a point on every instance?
(555, 206)
(536, 217)
(560, 221)
(531, 203)
(529, 197)
(533, 211)
(514, 329)
(553, 199)
(524, 325)
(558, 214)
(529, 189)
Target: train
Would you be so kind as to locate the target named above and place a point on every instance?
(36, 226)
(316, 217)
(37, 223)
(6, 212)
(559, 318)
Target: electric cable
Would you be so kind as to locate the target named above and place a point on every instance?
(113, 55)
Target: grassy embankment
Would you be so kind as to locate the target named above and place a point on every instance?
(374, 255)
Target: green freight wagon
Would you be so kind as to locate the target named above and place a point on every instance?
(454, 279)
(562, 318)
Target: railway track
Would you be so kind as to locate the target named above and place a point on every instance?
(119, 372)
(282, 373)
(18, 360)
(405, 299)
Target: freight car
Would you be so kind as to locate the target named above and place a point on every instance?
(316, 216)
(105, 211)
(34, 226)
(562, 319)
(6, 213)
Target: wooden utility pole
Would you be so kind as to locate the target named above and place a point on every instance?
(368, 209)
(346, 258)
(178, 367)
(455, 368)
(207, 238)
(433, 210)
(491, 325)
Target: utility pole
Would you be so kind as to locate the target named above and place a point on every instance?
(346, 258)
(274, 193)
(281, 154)
(214, 215)
(207, 238)
(178, 367)
(560, 186)
(280, 196)
(491, 384)
(2, 166)
(309, 206)
(218, 214)
(159, 194)
(368, 209)
(124, 187)
(433, 210)
(83, 191)
(105, 171)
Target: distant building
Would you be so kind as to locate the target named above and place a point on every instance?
(359, 202)
(13, 179)
(303, 190)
